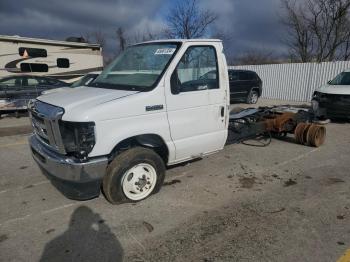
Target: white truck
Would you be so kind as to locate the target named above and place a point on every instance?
(150, 108)
(332, 100)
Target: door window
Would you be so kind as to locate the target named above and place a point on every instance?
(196, 71)
(31, 81)
(11, 82)
(45, 81)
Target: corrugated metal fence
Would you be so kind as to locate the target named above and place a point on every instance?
(295, 82)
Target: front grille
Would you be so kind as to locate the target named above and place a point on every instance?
(40, 128)
(336, 105)
(45, 118)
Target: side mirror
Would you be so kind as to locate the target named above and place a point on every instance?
(174, 83)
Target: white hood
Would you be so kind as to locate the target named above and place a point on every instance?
(334, 89)
(80, 96)
(79, 101)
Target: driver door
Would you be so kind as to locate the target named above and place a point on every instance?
(194, 126)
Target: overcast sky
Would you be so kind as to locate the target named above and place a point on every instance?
(250, 24)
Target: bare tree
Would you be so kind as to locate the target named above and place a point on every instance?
(97, 37)
(225, 37)
(300, 39)
(328, 21)
(318, 29)
(144, 35)
(124, 39)
(187, 20)
(121, 39)
(345, 53)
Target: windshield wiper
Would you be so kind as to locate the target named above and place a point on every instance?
(118, 87)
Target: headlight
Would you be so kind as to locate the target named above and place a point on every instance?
(78, 137)
(314, 105)
(316, 95)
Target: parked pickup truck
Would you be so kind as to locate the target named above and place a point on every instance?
(333, 99)
(149, 109)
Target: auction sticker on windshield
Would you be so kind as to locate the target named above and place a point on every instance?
(165, 51)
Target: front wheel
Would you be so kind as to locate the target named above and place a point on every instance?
(253, 97)
(133, 175)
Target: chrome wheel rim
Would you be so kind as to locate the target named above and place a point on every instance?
(254, 98)
(139, 181)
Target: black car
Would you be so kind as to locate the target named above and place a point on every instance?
(245, 86)
(16, 91)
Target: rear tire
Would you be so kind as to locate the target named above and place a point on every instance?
(133, 176)
(253, 97)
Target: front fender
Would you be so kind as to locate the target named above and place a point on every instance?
(109, 133)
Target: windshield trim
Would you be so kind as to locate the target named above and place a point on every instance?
(141, 88)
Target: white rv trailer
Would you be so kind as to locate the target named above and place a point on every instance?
(59, 59)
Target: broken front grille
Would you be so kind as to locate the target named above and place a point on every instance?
(336, 105)
(45, 119)
(40, 129)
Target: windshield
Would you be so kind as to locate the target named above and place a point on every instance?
(341, 79)
(139, 67)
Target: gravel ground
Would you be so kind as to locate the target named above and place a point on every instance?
(284, 202)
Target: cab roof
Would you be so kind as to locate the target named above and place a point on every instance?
(182, 41)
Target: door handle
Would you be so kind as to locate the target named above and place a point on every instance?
(222, 111)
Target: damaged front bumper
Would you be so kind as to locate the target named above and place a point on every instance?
(75, 179)
(331, 105)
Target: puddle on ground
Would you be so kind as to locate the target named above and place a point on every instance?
(334, 180)
(50, 230)
(277, 211)
(172, 182)
(147, 225)
(3, 238)
(290, 182)
(247, 182)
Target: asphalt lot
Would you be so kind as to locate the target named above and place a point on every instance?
(284, 202)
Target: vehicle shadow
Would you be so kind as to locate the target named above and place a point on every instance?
(88, 238)
(339, 120)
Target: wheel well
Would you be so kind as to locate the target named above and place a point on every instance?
(257, 89)
(152, 141)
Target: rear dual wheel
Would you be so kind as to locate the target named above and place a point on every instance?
(133, 175)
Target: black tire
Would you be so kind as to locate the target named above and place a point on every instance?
(112, 182)
(253, 97)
